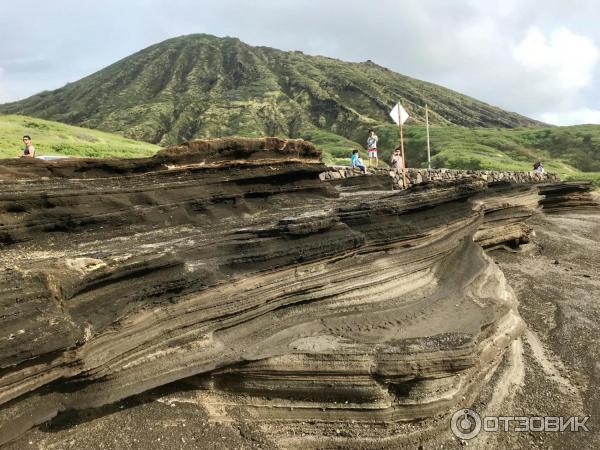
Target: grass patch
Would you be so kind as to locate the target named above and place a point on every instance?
(594, 177)
(53, 138)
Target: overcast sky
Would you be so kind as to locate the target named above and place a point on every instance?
(538, 58)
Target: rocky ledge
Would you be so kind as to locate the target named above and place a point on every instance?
(232, 261)
(420, 176)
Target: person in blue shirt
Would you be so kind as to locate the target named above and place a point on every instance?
(357, 162)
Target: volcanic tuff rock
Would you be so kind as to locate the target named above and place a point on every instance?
(202, 86)
(301, 300)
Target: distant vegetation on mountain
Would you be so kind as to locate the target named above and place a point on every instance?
(201, 86)
(204, 86)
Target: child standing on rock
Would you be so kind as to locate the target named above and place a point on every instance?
(372, 148)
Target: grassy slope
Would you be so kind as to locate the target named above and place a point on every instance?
(53, 138)
(594, 177)
(573, 152)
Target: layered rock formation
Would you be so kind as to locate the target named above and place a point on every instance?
(301, 299)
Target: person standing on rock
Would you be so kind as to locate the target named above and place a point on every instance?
(29, 149)
(396, 161)
(372, 148)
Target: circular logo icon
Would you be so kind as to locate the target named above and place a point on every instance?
(465, 424)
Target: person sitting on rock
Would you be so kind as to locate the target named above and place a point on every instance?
(29, 150)
(538, 167)
(357, 163)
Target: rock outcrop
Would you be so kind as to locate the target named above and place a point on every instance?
(301, 299)
(419, 176)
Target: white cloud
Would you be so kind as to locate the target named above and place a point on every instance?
(565, 59)
(577, 116)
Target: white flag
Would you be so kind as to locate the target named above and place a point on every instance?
(399, 114)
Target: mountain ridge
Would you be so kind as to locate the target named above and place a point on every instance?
(198, 86)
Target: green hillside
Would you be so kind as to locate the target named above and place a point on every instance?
(573, 151)
(566, 150)
(202, 86)
(53, 138)
(562, 149)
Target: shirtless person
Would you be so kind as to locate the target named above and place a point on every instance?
(398, 164)
(396, 161)
(29, 150)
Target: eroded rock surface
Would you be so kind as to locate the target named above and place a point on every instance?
(301, 300)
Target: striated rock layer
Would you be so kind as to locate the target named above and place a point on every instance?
(301, 299)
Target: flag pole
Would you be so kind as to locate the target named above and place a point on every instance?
(402, 149)
(428, 148)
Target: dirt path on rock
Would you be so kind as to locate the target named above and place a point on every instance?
(557, 281)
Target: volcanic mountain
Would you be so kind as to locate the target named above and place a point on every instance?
(203, 86)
